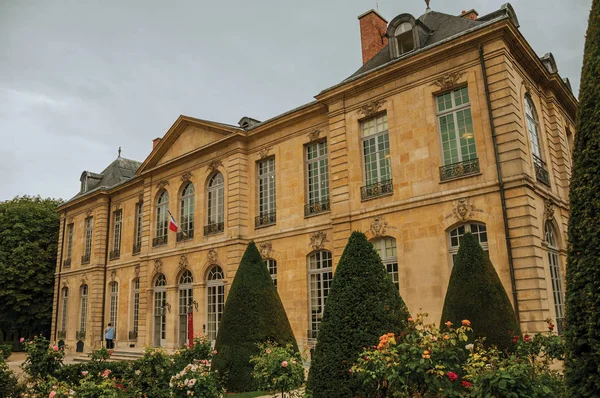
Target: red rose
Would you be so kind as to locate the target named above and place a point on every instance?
(466, 384)
(516, 338)
(452, 376)
(527, 338)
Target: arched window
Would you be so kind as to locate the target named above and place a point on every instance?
(65, 306)
(162, 219)
(215, 300)
(186, 304)
(187, 213)
(386, 248)
(555, 274)
(404, 37)
(320, 275)
(83, 311)
(160, 310)
(114, 303)
(455, 236)
(533, 127)
(272, 267)
(215, 214)
(136, 307)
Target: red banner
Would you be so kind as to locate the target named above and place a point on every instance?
(191, 328)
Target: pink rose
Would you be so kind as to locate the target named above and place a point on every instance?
(55, 348)
(284, 364)
(215, 352)
(268, 351)
(22, 339)
(84, 373)
(52, 394)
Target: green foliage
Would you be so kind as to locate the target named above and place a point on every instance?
(42, 359)
(99, 355)
(195, 380)
(363, 304)
(278, 368)
(28, 245)
(252, 315)
(5, 351)
(491, 313)
(201, 350)
(73, 373)
(151, 373)
(583, 264)
(9, 384)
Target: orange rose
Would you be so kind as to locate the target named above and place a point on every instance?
(466, 322)
(448, 324)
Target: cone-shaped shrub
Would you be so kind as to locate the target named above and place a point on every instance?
(363, 304)
(475, 293)
(253, 314)
(583, 264)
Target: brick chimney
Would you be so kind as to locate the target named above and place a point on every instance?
(372, 34)
(471, 14)
(155, 142)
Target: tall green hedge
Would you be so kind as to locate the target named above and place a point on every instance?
(583, 264)
(253, 314)
(363, 304)
(475, 293)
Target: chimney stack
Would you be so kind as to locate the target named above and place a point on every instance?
(372, 34)
(155, 142)
(471, 14)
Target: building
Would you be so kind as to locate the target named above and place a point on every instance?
(452, 124)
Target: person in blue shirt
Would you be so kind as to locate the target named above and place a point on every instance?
(109, 335)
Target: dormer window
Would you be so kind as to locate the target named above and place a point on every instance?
(406, 34)
(404, 37)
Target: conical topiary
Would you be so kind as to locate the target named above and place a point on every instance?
(253, 314)
(475, 293)
(362, 305)
(583, 264)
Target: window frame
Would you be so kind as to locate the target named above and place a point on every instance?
(551, 241)
(136, 305)
(161, 232)
(215, 212)
(83, 303)
(322, 203)
(113, 304)
(325, 275)
(268, 217)
(88, 236)
(215, 286)
(272, 267)
(187, 211)
(375, 136)
(453, 250)
(138, 227)
(65, 309)
(69, 243)
(380, 246)
(533, 118)
(117, 233)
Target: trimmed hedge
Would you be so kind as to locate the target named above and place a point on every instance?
(475, 293)
(253, 314)
(362, 305)
(583, 265)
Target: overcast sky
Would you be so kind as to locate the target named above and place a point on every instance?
(80, 78)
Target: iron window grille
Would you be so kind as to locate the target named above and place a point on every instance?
(80, 335)
(85, 259)
(62, 334)
(541, 171)
(316, 207)
(266, 219)
(115, 254)
(214, 228)
(133, 335)
(161, 241)
(376, 189)
(185, 235)
(67, 263)
(459, 169)
(137, 247)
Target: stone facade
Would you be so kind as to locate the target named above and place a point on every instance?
(418, 208)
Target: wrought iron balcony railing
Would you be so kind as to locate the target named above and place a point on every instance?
(460, 169)
(265, 219)
(377, 189)
(137, 247)
(541, 171)
(115, 254)
(214, 228)
(85, 259)
(185, 235)
(316, 207)
(62, 334)
(80, 335)
(159, 241)
(67, 263)
(133, 335)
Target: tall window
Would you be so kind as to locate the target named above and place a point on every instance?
(555, 274)
(136, 305)
(187, 213)
(376, 157)
(215, 205)
(215, 300)
(272, 267)
(386, 248)
(65, 311)
(162, 219)
(118, 222)
(457, 135)
(477, 229)
(266, 192)
(137, 236)
(114, 303)
(320, 273)
(160, 311)
(87, 250)
(317, 171)
(69, 241)
(83, 310)
(533, 128)
(186, 304)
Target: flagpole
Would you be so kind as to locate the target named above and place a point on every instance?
(182, 230)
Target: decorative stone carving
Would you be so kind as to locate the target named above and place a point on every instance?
(263, 153)
(463, 209)
(136, 271)
(158, 266)
(70, 220)
(214, 165)
(65, 283)
(378, 226)
(548, 210)
(448, 81)
(213, 256)
(113, 275)
(183, 263)
(318, 239)
(161, 184)
(84, 279)
(371, 108)
(265, 249)
(141, 198)
(89, 212)
(528, 88)
(186, 176)
(118, 206)
(314, 135)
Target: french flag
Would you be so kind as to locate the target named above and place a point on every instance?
(172, 224)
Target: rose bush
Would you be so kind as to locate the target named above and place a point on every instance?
(42, 359)
(196, 380)
(278, 368)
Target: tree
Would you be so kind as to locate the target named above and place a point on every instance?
(475, 293)
(253, 315)
(583, 262)
(28, 245)
(362, 305)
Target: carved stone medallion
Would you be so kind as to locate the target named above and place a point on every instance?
(186, 176)
(378, 226)
(213, 256)
(89, 212)
(314, 135)
(84, 279)
(548, 210)
(448, 81)
(371, 108)
(65, 283)
(113, 275)
(183, 263)
(318, 239)
(136, 270)
(161, 184)
(214, 165)
(141, 198)
(265, 249)
(263, 153)
(463, 210)
(70, 220)
(158, 266)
